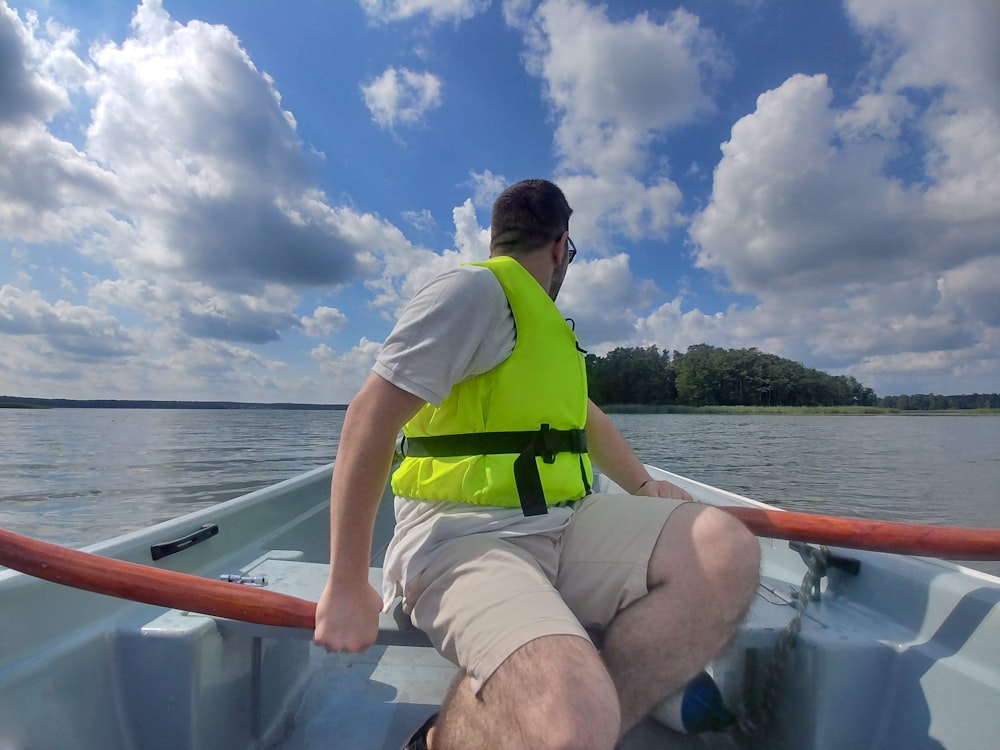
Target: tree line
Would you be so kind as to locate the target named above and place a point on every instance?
(935, 402)
(711, 376)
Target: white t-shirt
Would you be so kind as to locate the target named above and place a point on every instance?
(458, 326)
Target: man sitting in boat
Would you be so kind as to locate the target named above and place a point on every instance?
(569, 614)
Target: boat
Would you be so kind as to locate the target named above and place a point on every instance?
(842, 648)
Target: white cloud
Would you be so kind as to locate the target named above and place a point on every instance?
(27, 94)
(77, 332)
(437, 10)
(50, 191)
(472, 240)
(949, 53)
(405, 271)
(927, 44)
(486, 186)
(619, 205)
(602, 296)
(343, 374)
(323, 322)
(517, 13)
(191, 169)
(625, 78)
(422, 220)
(974, 289)
(789, 208)
(401, 97)
(616, 87)
(192, 184)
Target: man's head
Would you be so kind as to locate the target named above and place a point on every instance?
(529, 217)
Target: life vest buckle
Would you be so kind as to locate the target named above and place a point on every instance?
(547, 445)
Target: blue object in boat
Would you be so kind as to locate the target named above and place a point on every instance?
(698, 708)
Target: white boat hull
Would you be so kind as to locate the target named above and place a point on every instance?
(903, 654)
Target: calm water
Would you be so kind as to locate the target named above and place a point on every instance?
(77, 476)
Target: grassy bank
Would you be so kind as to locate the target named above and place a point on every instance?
(856, 411)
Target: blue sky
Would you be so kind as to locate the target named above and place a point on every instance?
(232, 200)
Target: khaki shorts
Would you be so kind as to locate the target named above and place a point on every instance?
(485, 596)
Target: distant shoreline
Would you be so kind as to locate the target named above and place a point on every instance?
(832, 411)
(20, 402)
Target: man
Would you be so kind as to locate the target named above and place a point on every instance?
(504, 558)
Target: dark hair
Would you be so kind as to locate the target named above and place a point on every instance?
(527, 215)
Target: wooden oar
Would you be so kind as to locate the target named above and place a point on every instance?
(144, 583)
(879, 536)
(165, 588)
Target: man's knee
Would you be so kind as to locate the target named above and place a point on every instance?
(564, 696)
(706, 546)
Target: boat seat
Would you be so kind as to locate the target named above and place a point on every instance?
(176, 674)
(306, 580)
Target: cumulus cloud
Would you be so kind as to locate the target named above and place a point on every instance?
(324, 321)
(401, 96)
(81, 333)
(789, 208)
(224, 191)
(616, 87)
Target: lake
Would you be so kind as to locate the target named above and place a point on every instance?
(78, 476)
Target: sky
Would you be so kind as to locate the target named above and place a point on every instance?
(233, 200)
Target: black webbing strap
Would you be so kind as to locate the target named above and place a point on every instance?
(527, 445)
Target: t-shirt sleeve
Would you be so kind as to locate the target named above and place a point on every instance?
(457, 326)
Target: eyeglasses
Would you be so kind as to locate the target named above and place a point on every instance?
(570, 250)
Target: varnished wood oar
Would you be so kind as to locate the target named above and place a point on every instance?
(165, 588)
(144, 583)
(879, 536)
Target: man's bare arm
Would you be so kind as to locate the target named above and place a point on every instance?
(612, 454)
(347, 613)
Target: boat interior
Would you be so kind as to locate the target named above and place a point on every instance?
(891, 652)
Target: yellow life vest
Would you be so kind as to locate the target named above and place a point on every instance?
(513, 436)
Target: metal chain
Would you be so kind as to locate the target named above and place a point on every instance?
(810, 589)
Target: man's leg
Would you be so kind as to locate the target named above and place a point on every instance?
(531, 677)
(702, 578)
(553, 693)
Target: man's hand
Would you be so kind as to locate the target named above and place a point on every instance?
(663, 488)
(347, 617)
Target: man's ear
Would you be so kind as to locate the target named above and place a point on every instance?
(558, 248)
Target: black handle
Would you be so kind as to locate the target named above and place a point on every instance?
(162, 549)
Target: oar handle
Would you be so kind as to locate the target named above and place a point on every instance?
(880, 536)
